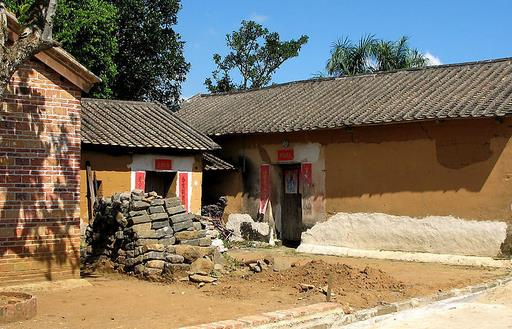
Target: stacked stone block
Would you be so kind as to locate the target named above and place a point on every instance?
(139, 232)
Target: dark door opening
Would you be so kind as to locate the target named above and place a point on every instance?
(163, 183)
(292, 206)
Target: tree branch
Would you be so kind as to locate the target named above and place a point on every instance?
(48, 21)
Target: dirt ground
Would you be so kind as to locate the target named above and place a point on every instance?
(117, 301)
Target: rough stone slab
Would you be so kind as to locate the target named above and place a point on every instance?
(191, 253)
(143, 242)
(205, 242)
(202, 278)
(192, 242)
(160, 224)
(153, 255)
(155, 209)
(153, 247)
(176, 210)
(159, 216)
(152, 272)
(175, 259)
(135, 213)
(157, 202)
(139, 269)
(189, 235)
(155, 264)
(133, 261)
(139, 205)
(181, 218)
(167, 241)
(197, 226)
(172, 202)
(182, 226)
(170, 249)
(172, 268)
(144, 218)
(130, 253)
(164, 232)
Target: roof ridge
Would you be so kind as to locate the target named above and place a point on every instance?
(363, 75)
(119, 101)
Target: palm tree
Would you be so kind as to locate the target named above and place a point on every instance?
(350, 59)
(372, 55)
(396, 55)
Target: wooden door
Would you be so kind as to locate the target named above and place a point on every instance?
(292, 205)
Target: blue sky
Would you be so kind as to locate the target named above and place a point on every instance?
(451, 30)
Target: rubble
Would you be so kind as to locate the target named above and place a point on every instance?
(145, 235)
(246, 229)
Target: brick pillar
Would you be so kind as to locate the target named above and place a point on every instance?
(39, 177)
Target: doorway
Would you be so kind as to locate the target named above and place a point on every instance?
(291, 217)
(162, 182)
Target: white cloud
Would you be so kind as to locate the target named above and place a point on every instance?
(432, 60)
(259, 18)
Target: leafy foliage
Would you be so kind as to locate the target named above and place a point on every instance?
(150, 60)
(371, 55)
(87, 29)
(130, 44)
(255, 62)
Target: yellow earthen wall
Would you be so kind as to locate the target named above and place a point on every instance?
(457, 167)
(112, 170)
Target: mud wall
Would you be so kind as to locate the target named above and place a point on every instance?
(460, 168)
(117, 173)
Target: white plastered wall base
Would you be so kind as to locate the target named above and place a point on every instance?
(443, 239)
(404, 256)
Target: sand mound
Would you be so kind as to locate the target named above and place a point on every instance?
(344, 277)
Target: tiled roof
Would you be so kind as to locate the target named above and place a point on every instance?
(477, 89)
(211, 162)
(138, 125)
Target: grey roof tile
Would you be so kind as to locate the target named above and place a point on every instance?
(138, 125)
(476, 89)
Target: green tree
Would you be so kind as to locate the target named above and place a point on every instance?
(372, 55)
(87, 29)
(255, 62)
(36, 17)
(150, 60)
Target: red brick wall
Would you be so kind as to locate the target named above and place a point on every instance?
(39, 177)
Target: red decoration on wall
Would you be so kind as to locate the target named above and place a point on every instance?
(285, 155)
(306, 173)
(140, 180)
(264, 187)
(163, 164)
(183, 190)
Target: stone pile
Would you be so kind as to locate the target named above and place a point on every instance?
(146, 235)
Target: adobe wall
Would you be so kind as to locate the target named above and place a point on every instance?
(117, 171)
(460, 168)
(457, 168)
(39, 177)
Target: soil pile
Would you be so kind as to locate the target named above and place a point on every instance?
(351, 286)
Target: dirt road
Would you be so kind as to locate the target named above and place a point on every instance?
(118, 301)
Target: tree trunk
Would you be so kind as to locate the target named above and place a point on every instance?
(12, 56)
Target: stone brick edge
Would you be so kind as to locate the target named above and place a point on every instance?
(23, 310)
(324, 315)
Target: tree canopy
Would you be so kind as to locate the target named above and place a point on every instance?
(36, 17)
(150, 60)
(256, 54)
(87, 30)
(372, 55)
(130, 44)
